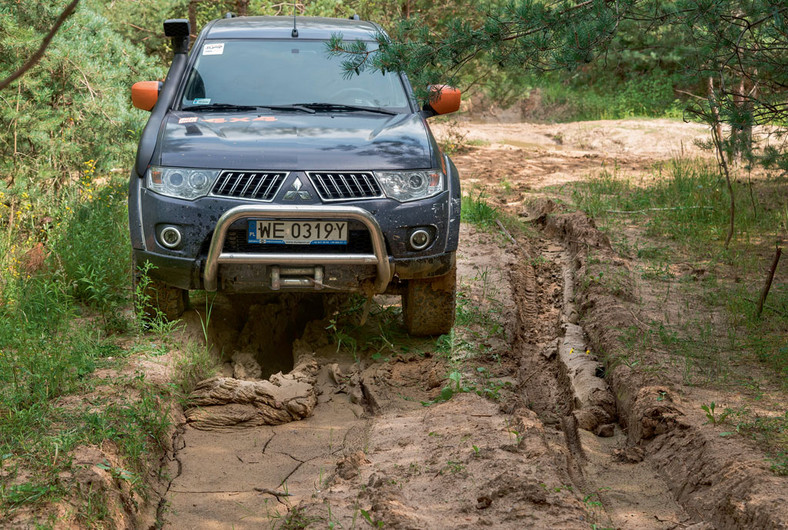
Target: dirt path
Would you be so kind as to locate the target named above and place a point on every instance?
(531, 436)
(528, 156)
(372, 452)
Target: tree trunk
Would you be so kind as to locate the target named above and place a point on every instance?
(716, 134)
(193, 19)
(405, 8)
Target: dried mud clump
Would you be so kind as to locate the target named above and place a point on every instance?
(224, 402)
(577, 229)
(593, 402)
(94, 474)
(654, 413)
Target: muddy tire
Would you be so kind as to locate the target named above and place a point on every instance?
(161, 299)
(428, 305)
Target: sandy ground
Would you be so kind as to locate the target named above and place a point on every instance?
(382, 454)
(526, 156)
(531, 436)
(529, 441)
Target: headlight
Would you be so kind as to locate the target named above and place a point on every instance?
(410, 185)
(179, 182)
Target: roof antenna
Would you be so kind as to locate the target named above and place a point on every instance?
(294, 34)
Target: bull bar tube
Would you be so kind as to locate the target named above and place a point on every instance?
(379, 257)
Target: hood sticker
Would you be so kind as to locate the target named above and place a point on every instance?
(195, 119)
(214, 48)
(234, 120)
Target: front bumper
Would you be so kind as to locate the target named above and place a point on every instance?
(379, 256)
(214, 254)
(217, 268)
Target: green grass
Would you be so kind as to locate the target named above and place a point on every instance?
(673, 223)
(476, 211)
(683, 214)
(686, 202)
(57, 326)
(605, 97)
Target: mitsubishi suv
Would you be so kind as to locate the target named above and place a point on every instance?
(265, 168)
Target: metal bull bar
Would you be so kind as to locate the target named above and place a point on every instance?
(379, 258)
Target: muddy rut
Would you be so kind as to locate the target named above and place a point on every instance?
(360, 436)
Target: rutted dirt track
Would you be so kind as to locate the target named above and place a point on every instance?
(531, 438)
(370, 444)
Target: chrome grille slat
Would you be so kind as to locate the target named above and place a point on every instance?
(355, 181)
(344, 181)
(366, 181)
(342, 186)
(248, 184)
(319, 186)
(223, 185)
(246, 187)
(259, 185)
(238, 180)
(275, 182)
(334, 183)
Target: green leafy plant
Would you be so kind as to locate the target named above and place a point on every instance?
(711, 414)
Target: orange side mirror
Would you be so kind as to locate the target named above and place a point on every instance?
(444, 99)
(145, 94)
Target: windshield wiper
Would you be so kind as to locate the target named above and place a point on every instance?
(220, 106)
(311, 108)
(231, 107)
(302, 108)
(341, 107)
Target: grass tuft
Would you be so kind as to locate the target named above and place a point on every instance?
(476, 211)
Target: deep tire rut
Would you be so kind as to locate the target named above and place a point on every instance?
(558, 387)
(370, 446)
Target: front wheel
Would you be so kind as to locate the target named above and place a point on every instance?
(428, 305)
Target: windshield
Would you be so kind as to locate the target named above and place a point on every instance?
(260, 73)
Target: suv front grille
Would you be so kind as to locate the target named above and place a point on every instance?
(258, 185)
(346, 185)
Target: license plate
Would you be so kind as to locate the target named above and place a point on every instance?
(298, 232)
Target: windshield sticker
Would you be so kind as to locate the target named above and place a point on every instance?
(216, 48)
(192, 119)
(201, 101)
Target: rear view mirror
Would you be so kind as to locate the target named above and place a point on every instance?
(443, 99)
(145, 94)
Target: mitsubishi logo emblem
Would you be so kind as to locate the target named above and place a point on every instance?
(296, 192)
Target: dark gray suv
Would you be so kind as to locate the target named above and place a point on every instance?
(265, 168)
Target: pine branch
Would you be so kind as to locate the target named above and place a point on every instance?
(41, 49)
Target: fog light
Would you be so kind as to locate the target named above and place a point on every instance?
(170, 237)
(420, 239)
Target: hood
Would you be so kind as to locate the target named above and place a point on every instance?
(295, 141)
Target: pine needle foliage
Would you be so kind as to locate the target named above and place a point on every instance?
(741, 46)
(73, 106)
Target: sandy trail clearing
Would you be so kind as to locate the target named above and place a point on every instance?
(523, 442)
(372, 449)
(532, 156)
